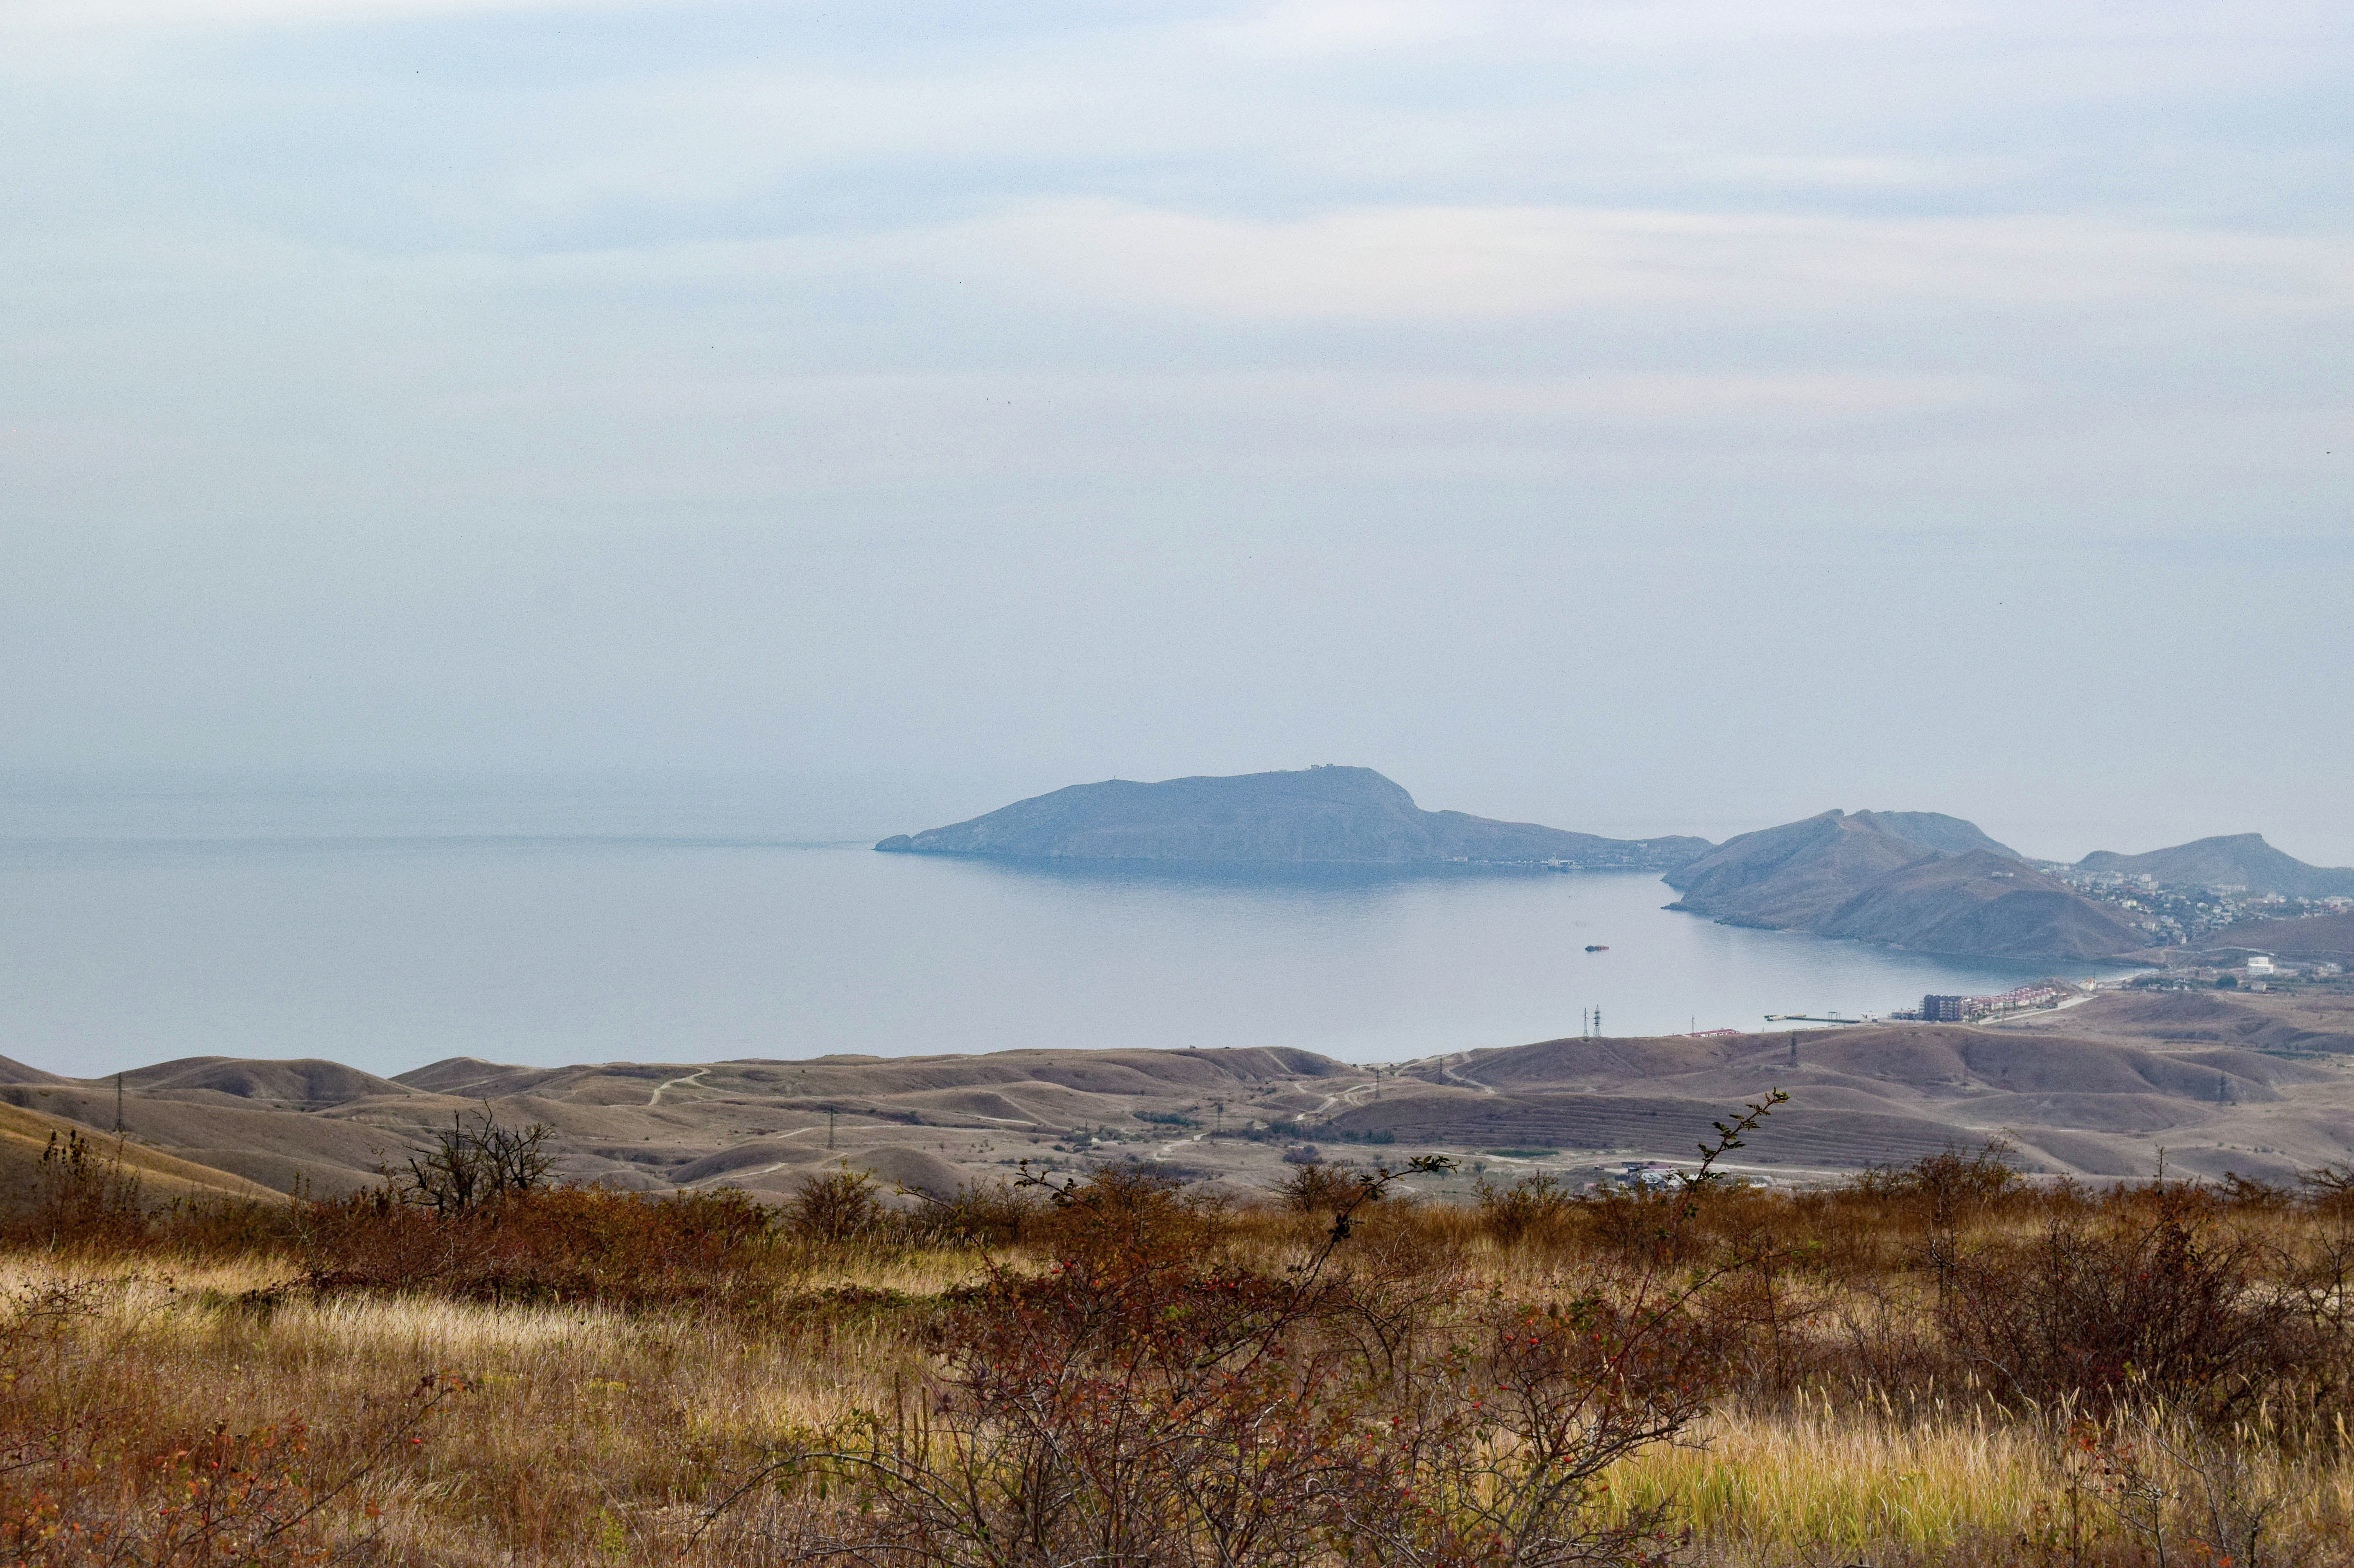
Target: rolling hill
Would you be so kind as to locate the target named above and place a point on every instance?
(25, 1136)
(1350, 815)
(2259, 1084)
(2322, 936)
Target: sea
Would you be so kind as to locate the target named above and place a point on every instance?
(141, 932)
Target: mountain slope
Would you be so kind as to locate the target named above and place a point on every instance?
(2241, 859)
(1797, 875)
(1855, 876)
(25, 1136)
(1316, 815)
(1934, 830)
(1981, 904)
(2327, 936)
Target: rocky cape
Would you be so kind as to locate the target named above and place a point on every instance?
(1331, 814)
(1917, 880)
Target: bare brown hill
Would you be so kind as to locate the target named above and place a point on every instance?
(2323, 938)
(2246, 1084)
(15, 1071)
(2313, 1023)
(308, 1083)
(2090, 1106)
(1983, 904)
(26, 1134)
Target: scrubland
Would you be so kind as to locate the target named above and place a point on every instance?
(1939, 1364)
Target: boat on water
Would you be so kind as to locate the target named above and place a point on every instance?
(1598, 948)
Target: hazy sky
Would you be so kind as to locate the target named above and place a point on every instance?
(1630, 417)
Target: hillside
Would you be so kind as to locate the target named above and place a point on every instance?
(2262, 1085)
(1934, 830)
(1315, 815)
(2099, 1107)
(1856, 876)
(25, 1136)
(1983, 904)
(1799, 874)
(2323, 937)
(2234, 859)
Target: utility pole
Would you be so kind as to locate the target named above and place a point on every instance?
(118, 1104)
(828, 1129)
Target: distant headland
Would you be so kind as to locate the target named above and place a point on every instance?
(1314, 815)
(1919, 880)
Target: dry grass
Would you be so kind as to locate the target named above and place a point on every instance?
(600, 1430)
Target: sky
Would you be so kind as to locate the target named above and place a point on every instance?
(1636, 418)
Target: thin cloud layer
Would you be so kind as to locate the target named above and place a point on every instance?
(1197, 382)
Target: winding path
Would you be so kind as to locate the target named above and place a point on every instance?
(656, 1098)
(1446, 1068)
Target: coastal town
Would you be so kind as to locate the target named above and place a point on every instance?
(2180, 915)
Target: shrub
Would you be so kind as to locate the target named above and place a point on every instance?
(987, 1214)
(1143, 1402)
(582, 1243)
(1318, 1188)
(1537, 1209)
(81, 1193)
(834, 1206)
(473, 1164)
(2152, 1298)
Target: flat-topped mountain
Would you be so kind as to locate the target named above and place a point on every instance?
(1318, 814)
(2231, 859)
(1912, 879)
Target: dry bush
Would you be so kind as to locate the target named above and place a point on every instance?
(2153, 1297)
(1315, 1188)
(1538, 1210)
(81, 1194)
(574, 1243)
(1146, 1401)
(981, 1214)
(835, 1206)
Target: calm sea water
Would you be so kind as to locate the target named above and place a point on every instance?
(387, 953)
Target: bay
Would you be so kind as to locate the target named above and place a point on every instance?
(390, 952)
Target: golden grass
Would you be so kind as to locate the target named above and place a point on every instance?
(1852, 1478)
(1782, 1485)
(592, 1433)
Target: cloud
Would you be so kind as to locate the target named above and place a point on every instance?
(1462, 263)
(57, 17)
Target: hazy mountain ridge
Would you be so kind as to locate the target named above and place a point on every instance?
(1331, 814)
(2241, 859)
(1916, 880)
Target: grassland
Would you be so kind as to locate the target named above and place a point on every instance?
(1939, 1364)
